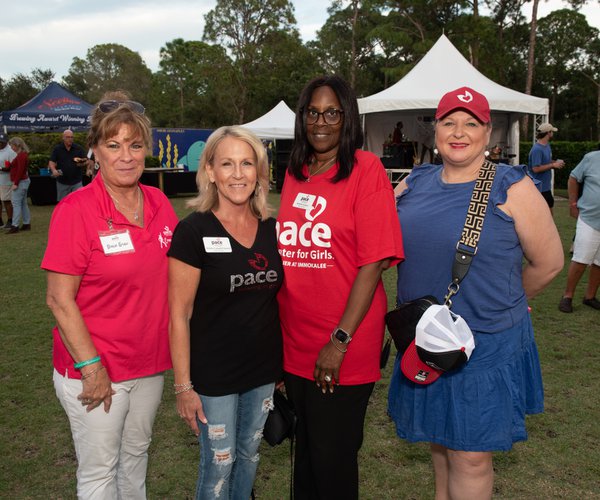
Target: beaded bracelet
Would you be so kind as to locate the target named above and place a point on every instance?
(95, 370)
(81, 364)
(184, 388)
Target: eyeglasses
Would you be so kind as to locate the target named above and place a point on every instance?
(330, 116)
(108, 106)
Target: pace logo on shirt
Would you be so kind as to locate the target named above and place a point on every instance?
(310, 233)
(251, 281)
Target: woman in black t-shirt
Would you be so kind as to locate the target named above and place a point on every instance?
(225, 338)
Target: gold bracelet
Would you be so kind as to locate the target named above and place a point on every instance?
(95, 370)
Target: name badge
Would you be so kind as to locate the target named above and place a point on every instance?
(304, 201)
(116, 241)
(215, 244)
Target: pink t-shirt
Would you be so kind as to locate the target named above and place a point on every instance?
(123, 296)
(326, 232)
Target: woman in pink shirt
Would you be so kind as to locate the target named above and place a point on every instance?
(107, 288)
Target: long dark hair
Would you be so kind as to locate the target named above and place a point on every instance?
(351, 134)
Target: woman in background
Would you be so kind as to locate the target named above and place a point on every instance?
(19, 177)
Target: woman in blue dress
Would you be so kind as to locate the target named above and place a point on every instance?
(470, 412)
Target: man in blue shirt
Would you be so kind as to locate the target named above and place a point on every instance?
(541, 162)
(586, 249)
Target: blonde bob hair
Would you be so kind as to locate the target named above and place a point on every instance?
(103, 125)
(18, 143)
(208, 198)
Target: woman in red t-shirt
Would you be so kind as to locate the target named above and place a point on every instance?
(337, 232)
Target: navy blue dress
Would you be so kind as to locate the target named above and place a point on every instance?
(482, 406)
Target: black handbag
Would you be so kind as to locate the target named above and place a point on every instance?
(281, 422)
(402, 321)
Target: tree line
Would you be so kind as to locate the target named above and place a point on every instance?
(250, 56)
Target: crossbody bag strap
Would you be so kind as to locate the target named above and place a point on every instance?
(466, 248)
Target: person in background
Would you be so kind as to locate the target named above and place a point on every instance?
(224, 274)
(586, 248)
(541, 163)
(6, 156)
(398, 135)
(19, 177)
(337, 233)
(106, 264)
(67, 162)
(467, 413)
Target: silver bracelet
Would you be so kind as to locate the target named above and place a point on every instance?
(335, 345)
(90, 373)
(184, 388)
(182, 385)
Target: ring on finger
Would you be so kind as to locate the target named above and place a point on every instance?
(327, 378)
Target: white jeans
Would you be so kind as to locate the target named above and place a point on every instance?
(112, 448)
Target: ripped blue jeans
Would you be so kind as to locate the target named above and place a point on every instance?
(229, 443)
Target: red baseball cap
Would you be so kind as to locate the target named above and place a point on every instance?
(467, 99)
(443, 342)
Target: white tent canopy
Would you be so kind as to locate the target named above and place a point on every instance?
(414, 98)
(276, 124)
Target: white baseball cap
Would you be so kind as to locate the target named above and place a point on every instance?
(443, 342)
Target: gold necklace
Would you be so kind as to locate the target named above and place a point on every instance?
(327, 163)
(136, 215)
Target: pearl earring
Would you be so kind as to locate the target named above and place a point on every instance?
(435, 151)
(486, 153)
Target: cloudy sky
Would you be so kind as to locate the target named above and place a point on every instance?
(48, 34)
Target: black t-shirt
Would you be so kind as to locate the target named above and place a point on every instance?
(235, 335)
(71, 172)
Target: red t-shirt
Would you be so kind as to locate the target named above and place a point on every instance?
(122, 297)
(326, 232)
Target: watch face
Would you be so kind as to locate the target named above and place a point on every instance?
(342, 336)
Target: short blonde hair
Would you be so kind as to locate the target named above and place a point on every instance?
(103, 125)
(19, 144)
(208, 197)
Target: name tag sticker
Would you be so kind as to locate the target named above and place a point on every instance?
(304, 201)
(215, 244)
(116, 242)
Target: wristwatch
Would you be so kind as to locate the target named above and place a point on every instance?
(342, 336)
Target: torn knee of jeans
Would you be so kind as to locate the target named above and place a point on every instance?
(258, 435)
(267, 404)
(222, 457)
(216, 432)
(255, 458)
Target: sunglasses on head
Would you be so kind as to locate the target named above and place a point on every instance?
(108, 106)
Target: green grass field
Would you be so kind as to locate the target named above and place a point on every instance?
(560, 460)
